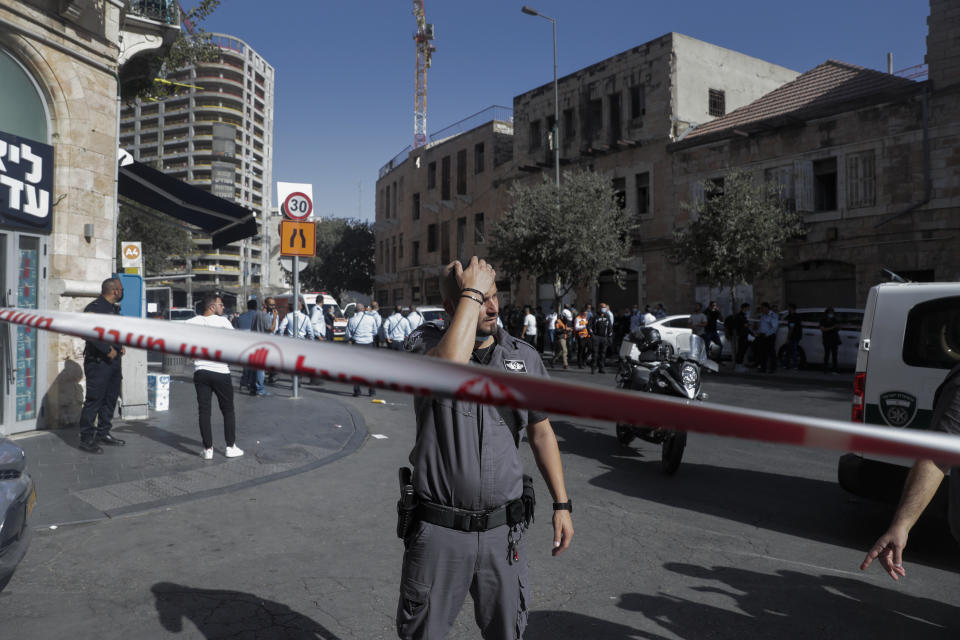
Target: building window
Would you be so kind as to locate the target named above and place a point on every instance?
(825, 184)
(432, 175)
(643, 193)
(382, 295)
(393, 256)
(383, 265)
(861, 180)
(414, 295)
(478, 158)
(535, 135)
(594, 118)
(401, 246)
(383, 203)
(479, 235)
(461, 239)
(394, 205)
(397, 296)
(638, 106)
(445, 242)
(462, 172)
(431, 238)
(551, 143)
(780, 181)
(445, 178)
(387, 206)
(569, 126)
(620, 192)
(415, 253)
(717, 102)
(416, 206)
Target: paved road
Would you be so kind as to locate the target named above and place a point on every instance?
(748, 540)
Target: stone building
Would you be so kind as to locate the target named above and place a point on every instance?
(215, 132)
(617, 117)
(871, 161)
(437, 204)
(59, 64)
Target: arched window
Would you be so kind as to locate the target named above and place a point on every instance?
(23, 112)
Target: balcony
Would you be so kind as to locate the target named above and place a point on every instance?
(149, 28)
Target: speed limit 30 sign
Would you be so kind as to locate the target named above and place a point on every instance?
(298, 206)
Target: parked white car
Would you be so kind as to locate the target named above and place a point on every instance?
(670, 327)
(811, 344)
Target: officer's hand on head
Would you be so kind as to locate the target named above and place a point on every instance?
(562, 530)
(478, 275)
(112, 353)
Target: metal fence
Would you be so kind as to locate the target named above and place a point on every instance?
(165, 11)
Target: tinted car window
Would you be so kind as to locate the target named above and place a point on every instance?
(682, 323)
(850, 319)
(932, 335)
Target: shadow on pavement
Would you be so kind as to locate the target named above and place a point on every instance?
(805, 507)
(550, 625)
(221, 614)
(788, 604)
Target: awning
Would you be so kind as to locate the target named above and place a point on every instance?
(225, 221)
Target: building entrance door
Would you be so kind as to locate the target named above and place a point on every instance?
(22, 275)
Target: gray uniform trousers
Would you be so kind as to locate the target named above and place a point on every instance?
(440, 565)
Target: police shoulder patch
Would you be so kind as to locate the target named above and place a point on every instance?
(516, 366)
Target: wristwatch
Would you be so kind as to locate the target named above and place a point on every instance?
(563, 506)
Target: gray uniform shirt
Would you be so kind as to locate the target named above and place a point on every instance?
(466, 454)
(946, 417)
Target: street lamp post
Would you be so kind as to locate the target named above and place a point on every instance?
(556, 93)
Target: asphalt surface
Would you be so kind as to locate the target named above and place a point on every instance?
(748, 540)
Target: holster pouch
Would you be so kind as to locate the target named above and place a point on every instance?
(406, 504)
(529, 500)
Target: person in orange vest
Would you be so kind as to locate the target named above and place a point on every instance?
(581, 328)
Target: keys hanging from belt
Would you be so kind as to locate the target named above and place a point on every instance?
(513, 543)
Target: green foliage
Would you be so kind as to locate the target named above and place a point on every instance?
(345, 258)
(145, 77)
(737, 233)
(570, 239)
(166, 243)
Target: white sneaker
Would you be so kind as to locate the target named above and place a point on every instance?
(233, 452)
(207, 454)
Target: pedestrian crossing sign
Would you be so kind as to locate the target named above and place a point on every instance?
(298, 239)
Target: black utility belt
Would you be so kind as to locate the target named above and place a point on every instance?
(511, 513)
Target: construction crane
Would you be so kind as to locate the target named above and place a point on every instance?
(425, 50)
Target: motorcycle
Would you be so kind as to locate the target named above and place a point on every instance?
(648, 364)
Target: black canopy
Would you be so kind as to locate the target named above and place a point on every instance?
(225, 221)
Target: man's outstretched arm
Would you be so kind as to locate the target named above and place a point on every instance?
(921, 485)
(546, 452)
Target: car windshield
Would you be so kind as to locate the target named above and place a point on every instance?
(182, 314)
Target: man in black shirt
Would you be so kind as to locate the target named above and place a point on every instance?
(601, 331)
(101, 366)
(711, 333)
(794, 334)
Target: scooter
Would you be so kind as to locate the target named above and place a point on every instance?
(648, 364)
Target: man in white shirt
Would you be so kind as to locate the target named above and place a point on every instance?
(318, 322)
(697, 320)
(529, 327)
(552, 328)
(414, 317)
(211, 377)
(296, 321)
(362, 328)
(396, 329)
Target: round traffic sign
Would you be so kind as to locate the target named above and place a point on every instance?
(298, 206)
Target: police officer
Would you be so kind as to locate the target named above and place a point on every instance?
(101, 366)
(468, 476)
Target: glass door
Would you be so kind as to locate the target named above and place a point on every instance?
(22, 275)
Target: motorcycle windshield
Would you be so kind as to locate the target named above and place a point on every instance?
(691, 347)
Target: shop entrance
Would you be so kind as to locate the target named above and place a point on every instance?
(22, 274)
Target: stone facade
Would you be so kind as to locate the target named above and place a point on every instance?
(617, 117)
(71, 50)
(437, 205)
(892, 163)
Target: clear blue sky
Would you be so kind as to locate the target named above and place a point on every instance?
(345, 69)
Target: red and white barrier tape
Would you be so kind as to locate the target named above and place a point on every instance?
(430, 376)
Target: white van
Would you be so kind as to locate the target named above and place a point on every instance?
(910, 340)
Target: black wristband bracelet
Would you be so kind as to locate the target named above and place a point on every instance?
(479, 293)
(467, 295)
(565, 506)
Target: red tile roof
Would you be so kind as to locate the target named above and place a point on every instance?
(820, 91)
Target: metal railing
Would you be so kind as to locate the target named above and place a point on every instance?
(495, 112)
(165, 11)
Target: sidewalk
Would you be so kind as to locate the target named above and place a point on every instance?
(161, 463)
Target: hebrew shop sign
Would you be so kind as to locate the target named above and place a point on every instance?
(26, 183)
